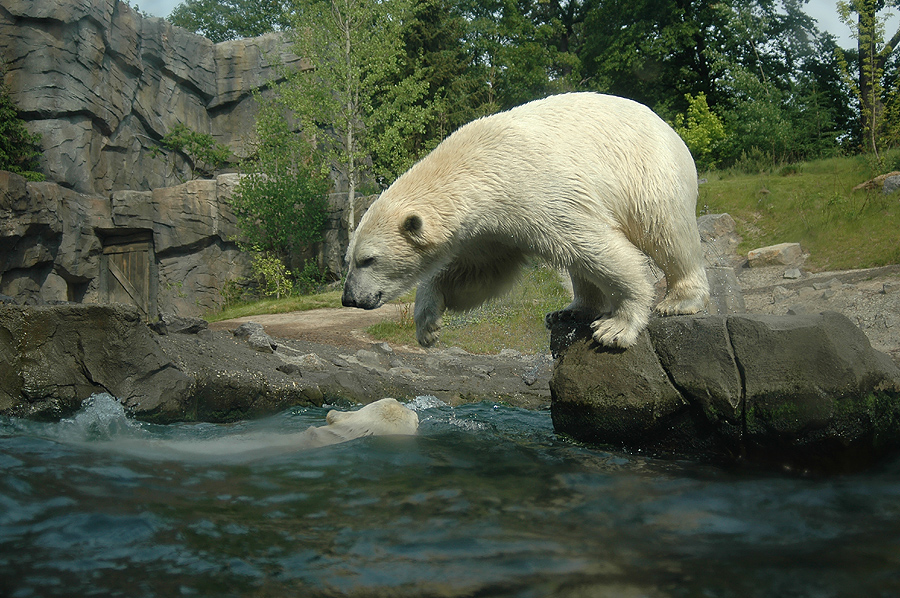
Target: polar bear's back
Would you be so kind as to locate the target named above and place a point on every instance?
(594, 150)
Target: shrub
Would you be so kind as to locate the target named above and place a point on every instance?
(205, 154)
(19, 149)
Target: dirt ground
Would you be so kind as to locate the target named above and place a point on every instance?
(339, 327)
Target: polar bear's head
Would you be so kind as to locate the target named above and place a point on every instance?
(394, 246)
(381, 418)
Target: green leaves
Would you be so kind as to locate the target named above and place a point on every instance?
(702, 131)
(205, 154)
(19, 149)
(281, 203)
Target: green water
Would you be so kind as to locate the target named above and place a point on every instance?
(485, 501)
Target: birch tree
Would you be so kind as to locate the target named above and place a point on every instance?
(355, 48)
(868, 27)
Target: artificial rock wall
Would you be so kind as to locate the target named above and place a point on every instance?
(102, 85)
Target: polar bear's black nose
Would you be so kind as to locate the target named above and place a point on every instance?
(347, 300)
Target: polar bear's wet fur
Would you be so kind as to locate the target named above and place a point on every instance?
(589, 182)
(386, 417)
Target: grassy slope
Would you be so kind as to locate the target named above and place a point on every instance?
(813, 204)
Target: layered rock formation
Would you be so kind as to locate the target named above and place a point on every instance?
(175, 245)
(102, 85)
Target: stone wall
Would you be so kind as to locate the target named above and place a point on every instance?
(56, 244)
(102, 85)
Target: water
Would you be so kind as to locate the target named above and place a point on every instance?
(485, 501)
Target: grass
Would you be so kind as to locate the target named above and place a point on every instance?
(811, 203)
(277, 306)
(514, 321)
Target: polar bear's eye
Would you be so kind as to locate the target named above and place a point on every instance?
(365, 263)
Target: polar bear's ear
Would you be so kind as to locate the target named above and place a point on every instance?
(413, 228)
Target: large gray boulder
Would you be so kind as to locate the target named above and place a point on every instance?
(797, 391)
(52, 358)
(53, 240)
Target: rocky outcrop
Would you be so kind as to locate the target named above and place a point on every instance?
(102, 84)
(56, 244)
(795, 391)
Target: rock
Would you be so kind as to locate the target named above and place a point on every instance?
(725, 296)
(172, 324)
(55, 357)
(891, 184)
(793, 274)
(781, 254)
(719, 239)
(255, 337)
(128, 81)
(55, 245)
(804, 391)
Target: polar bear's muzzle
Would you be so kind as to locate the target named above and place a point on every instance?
(354, 296)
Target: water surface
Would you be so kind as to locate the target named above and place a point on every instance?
(485, 501)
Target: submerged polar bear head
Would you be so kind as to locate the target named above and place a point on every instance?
(387, 417)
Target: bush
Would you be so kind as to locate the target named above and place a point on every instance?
(19, 149)
(702, 131)
(281, 203)
(205, 154)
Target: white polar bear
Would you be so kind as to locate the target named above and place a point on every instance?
(386, 417)
(589, 182)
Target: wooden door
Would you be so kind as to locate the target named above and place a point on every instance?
(127, 267)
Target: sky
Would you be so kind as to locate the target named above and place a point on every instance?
(823, 11)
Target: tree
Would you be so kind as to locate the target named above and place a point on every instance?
(280, 203)
(873, 56)
(351, 93)
(220, 20)
(702, 130)
(19, 149)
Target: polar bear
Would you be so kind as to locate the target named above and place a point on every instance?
(386, 417)
(591, 183)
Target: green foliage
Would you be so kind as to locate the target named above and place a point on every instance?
(220, 20)
(205, 154)
(352, 91)
(274, 278)
(702, 131)
(19, 149)
(280, 203)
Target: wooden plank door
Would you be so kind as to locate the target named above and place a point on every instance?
(128, 267)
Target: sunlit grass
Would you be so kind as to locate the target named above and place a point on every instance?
(278, 306)
(813, 204)
(514, 321)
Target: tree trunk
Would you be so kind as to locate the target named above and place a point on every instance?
(871, 65)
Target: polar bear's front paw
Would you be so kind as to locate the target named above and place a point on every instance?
(429, 333)
(615, 332)
(555, 317)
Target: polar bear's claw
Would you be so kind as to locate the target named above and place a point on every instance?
(428, 335)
